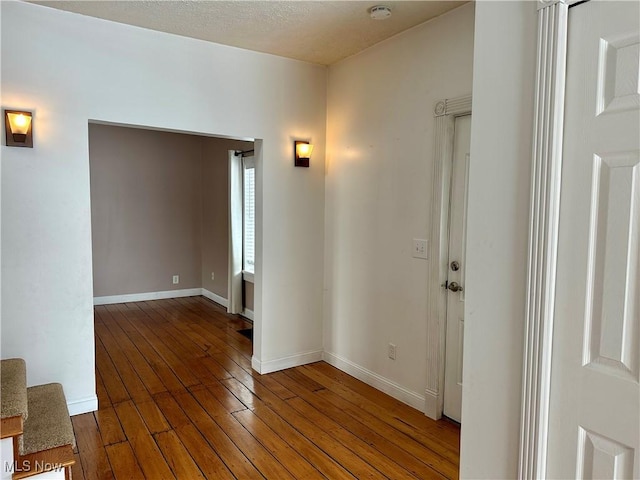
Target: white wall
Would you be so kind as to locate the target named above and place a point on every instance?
(378, 191)
(70, 69)
(497, 229)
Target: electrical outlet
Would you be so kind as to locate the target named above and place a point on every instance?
(213, 276)
(176, 279)
(392, 351)
(419, 248)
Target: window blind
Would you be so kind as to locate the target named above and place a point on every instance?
(249, 201)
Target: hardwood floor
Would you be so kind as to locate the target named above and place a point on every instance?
(178, 399)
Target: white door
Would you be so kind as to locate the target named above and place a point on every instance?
(457, 265)
(594, 421)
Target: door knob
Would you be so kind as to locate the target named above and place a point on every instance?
(454, 287)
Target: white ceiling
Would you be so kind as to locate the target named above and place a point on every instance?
(321, 32)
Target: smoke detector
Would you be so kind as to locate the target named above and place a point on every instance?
(380, 12)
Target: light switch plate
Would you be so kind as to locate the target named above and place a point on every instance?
(419, 248)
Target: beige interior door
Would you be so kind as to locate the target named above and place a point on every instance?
(455, 282)
(594, 422)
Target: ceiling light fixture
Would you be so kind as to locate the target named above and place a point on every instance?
(380, 12)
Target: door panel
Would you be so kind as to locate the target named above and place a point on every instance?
(594, 420)
(612, 277)
(457, 253)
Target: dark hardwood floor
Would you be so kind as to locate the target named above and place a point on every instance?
(178, 399)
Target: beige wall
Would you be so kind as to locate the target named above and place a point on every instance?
(146, 210)
(215, 211)
(248, 295)
(159, 205)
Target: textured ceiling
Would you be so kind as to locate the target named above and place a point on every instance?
(321, 32)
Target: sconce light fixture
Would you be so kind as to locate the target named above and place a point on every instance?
(18, 128)
(302, 152)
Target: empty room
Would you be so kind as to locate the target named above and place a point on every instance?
(318, 239)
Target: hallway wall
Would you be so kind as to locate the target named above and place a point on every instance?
(71, 69)
(378, 184)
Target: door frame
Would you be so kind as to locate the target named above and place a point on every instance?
(445, 112)
(550, 84)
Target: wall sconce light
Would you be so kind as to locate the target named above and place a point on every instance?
(18, 128)
(302, 152)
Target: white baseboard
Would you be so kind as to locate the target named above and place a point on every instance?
(246, 313)
(377, 381)
(147, 296)
(285, 362)
(143, 297)
(256, 364)
(432, 405)
(216, 298)
(83, 405)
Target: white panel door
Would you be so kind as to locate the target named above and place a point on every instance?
(457, 264)
(594, 423)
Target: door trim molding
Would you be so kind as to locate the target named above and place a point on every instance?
(445, 112)
(543, 236)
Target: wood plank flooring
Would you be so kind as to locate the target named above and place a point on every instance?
(178, 399)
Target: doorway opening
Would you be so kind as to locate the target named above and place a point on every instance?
(445, 327)
(454, 285)
(242, 229)
(160, 216)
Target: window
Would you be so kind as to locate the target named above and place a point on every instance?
(249, 215)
